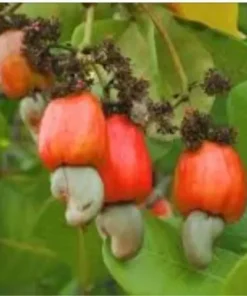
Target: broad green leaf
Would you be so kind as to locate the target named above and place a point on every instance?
(25, 260)
(161, 269)
(167, 162)
(70, 14)
(4, 141)
(158, 149)
(8, 108)
(236, 281)
(70, 288)
(236, 109)
(21, 198)
(228, 53)
(234, 237)
(24, 264)
(51, 227)
(219, 110)
(195, 61)
(242, 21)
(220, 16)
(101, 29)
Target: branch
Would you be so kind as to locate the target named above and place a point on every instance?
(88, 28)
(83, 264)
(176, 60)
(12, 8)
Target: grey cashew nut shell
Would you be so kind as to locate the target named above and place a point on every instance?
(83, 191)
(31, 110)
(199, 233)
(125, 227)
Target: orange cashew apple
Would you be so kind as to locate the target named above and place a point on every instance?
(73, 132)
(72, 143)
(17, 76)
(211, 179)
(127, 171)
(209, 190)
(127, 177)
(161, 208)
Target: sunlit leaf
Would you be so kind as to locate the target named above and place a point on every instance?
(220, 16)
(161, 269)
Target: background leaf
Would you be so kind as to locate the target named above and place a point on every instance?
(236, 281)
(161, 269)
(220, 16)
(69, 14)
(237, 104)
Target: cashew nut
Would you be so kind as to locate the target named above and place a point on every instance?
(83, 190)
(198, 235)
(31, 110)
(124, 225)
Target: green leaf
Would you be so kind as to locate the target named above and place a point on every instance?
(23, 262)
(4, 141)
(69, 14)
(221, 47)
(161, 269)
(21, 198)
(219, 110)
(194, 58)
(242, 21)
(236, 281)
(167, 163)
(101, 29)
(234, 237)
(26, 261)
(236, 106)
(51, 227)
(157, 148)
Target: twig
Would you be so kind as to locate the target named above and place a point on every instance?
(159, 190)
(183, 99)
(99, 75)
(12, 8)
(83, 264)
(176, 60)
(88, 28)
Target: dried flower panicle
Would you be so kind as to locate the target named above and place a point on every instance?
(132, 93)
(215, 83)
(72, 74)
(197, 127)
(3, 6)
(111, 108)
(13, 22)
(39, 36)
(223, 135)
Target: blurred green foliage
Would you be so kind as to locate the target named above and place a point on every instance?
(39, 252)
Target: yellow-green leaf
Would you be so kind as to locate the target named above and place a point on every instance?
(219, 16)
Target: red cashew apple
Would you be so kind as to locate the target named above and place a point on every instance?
(127, 171)
(73, 132)
(161, 208)
(209, 189)
(17, 76)
(127, 178)
(211, 179)
(72, 143)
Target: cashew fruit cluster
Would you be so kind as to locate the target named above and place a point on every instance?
(209, 191)
(99, 166)
(17, 76)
